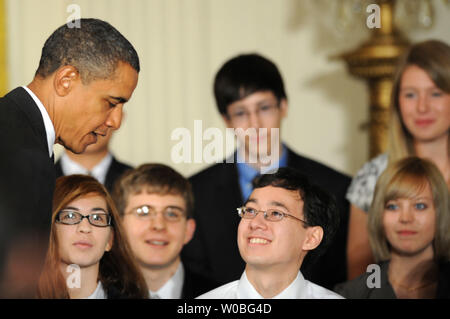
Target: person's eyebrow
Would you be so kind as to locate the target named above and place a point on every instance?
(72, 208)
(96, 209)
(251, 200)
(119, 99)
(265, 101)
(174, 207)
(278, 204)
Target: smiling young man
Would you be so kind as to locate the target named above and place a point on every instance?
(250, 97)
(155, 203)
(85, 76)
(284, 219)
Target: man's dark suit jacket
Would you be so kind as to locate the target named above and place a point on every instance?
(214, 252)
(195, 284)
(27, 179)
(115, 170)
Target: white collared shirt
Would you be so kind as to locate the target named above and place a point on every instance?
(300, 288)
(49, 128)
(99, 292)
(172, 289)
(70, 167)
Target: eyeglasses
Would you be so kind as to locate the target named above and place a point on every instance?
(71, 217)
(272, 215)
(170, 214)
(263, 111)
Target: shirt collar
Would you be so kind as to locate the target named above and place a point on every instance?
(49, 128)
(247, 173)
(99, 292)
(70, 167)
(172, 289)
(296, 290)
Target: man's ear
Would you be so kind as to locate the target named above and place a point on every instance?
(283, 108)
(313, 237)
(190, 230)
(65, 79)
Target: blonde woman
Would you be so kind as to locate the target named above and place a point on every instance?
(419, 126)
(408, 225)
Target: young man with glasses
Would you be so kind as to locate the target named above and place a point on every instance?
(250, 95)
(284, 220)
(155, 203)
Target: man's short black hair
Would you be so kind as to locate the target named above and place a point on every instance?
(94, 49)
(319, 208)
(244, 75)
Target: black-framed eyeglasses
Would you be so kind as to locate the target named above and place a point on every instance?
(272, 215)
(170, 214)
(72, 217)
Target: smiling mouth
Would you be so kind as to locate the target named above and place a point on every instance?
(157, 242)
(259, 241)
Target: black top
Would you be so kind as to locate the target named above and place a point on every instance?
(213, 250)
(115, 170)
(359, 289)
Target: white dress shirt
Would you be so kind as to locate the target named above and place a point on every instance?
(69, 167)
(172, 289)
(49, 128)
(99, 292)
(300, 288)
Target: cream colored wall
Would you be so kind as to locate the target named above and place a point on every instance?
(182, 43)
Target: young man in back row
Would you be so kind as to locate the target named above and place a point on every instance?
(250, 94)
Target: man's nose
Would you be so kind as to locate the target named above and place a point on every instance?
(114, 119)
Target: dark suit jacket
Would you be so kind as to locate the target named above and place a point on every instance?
(358, 289)
(27, 177)
(214, 251)
(115, 170)
(195, 284)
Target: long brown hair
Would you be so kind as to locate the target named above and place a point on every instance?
(118, 272)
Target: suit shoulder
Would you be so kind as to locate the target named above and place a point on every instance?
(314, 167)
(121, 165)
(208, 172)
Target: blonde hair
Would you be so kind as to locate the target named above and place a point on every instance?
(433, 57)
(405, 179)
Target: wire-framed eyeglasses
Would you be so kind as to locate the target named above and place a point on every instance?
(171, 213)
(272, 215)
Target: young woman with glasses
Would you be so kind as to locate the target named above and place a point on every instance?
(88, 255)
